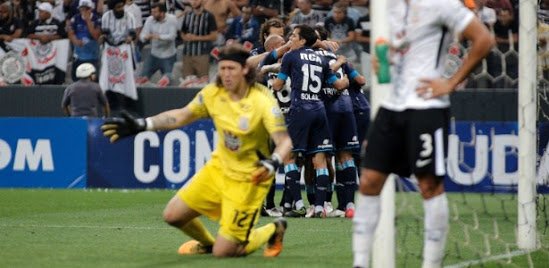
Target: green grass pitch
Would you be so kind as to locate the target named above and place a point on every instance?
(117, 228)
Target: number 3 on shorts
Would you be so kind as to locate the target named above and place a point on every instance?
(426, 150)
(427, 145)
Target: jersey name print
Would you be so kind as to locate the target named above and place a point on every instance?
(309, 73)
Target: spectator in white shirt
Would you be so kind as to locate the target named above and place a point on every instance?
(161, 30)
(134, 9)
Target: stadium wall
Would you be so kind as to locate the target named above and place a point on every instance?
(72, 153)
(45, 101)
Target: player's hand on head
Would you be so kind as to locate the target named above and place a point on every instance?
(265, 167)
(330, 45)
(116, 127)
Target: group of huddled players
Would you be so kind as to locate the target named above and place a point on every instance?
(326, 113)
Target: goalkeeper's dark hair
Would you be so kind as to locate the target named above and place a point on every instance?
(236, 52)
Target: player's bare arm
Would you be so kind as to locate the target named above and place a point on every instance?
(341, 60)
(283, 144)
(329, 45)
(360, 79)
(117, 128)
(283, 49)
(269, 68)
(172, 119)
(342, 83)
(254, 61)
(278, 84)
(338, 63)
(482, 42)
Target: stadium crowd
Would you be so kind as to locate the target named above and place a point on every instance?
(163, 40)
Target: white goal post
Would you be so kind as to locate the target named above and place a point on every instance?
(384, 249)
(527, 117)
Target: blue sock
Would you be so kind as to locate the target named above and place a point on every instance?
(322, 183)
(292, 181)
(310, 194)
(348, 175)
(340, 190)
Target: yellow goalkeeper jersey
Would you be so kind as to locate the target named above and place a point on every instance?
(242, 126)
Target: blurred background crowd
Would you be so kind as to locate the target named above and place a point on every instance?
(173, 42)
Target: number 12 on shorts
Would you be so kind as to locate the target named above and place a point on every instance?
(242, 218)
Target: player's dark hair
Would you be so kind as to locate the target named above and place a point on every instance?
(308, 33)
(266, 27)
(236, 52)
(322, 32)
(161, 6)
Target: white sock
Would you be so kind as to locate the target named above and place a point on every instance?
(350, 205)
(299, 204)
(436, 229)
(364, 225)
(319, 209)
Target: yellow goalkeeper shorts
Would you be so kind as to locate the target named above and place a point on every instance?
(236, 205)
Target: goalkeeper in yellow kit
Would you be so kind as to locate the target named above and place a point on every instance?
(232, 185)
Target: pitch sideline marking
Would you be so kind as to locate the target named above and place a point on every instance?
(103, 227)
(85, 226)
(493, 258)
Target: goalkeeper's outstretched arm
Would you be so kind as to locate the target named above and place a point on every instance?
(171, 119)
(117, 128)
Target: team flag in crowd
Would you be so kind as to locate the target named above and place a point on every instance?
(30, 62)
(117, 74)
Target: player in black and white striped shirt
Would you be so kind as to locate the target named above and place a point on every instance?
(198, 33)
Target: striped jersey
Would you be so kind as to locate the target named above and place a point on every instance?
(47, 27)
(198, 24)
(145, 7)
(311, 19)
